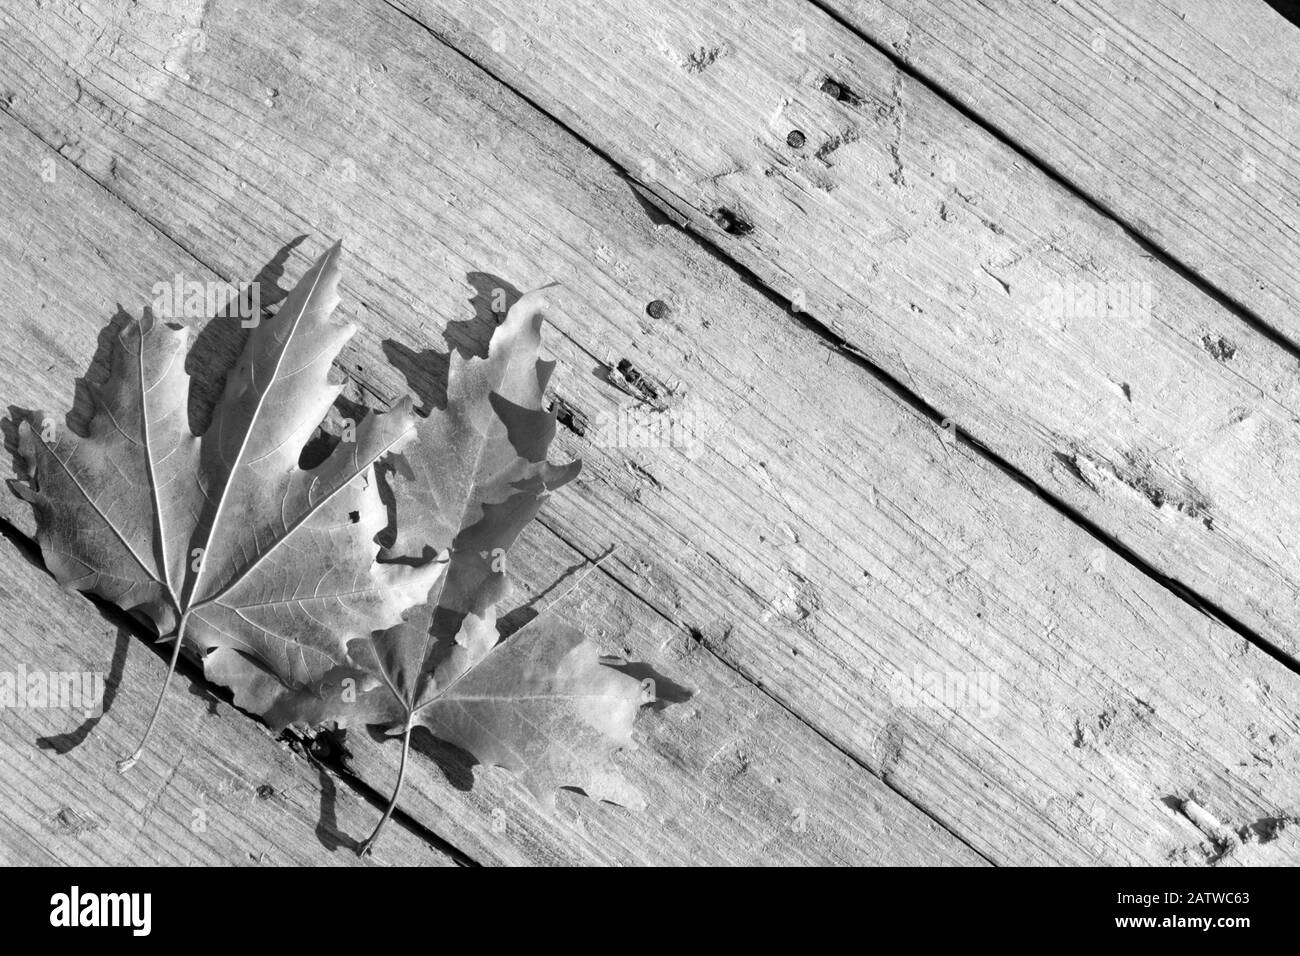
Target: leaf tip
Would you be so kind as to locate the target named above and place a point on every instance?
(530, 309)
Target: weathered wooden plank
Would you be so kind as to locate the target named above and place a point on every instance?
(729, 779)
(214, 788)
(1182, 119)
(954, 264)
(824, 541)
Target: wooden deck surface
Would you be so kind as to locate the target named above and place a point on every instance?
(906, 465)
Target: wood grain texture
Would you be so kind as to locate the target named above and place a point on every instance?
(214, 788)
(732, 778)
(1182, 118)
(920, 239)
(824, 542)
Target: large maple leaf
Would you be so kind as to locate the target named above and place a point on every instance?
(223, 541)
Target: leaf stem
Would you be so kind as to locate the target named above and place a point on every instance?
(126, 763)
(369, 845)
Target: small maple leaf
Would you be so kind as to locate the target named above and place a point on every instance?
(223, 541)
(539, 703)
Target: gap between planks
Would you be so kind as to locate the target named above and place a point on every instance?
(1050, 170)
(1203, 97)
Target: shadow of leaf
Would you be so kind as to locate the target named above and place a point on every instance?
(425, 370)
(217, 347)
(667, 691)
(456, 765)
(327, 825)
(63, 743)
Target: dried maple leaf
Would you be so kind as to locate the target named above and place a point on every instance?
(223, 541)
(540, 702)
